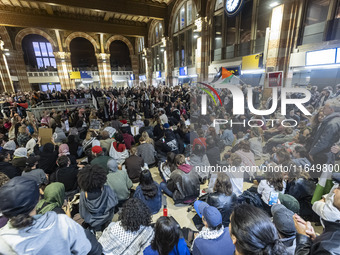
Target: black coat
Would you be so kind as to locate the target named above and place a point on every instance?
(48, 157)
(225, 204)
(303, 191)
(327, 135)
(9, 170)
(184, 185)
(67, 176)
(213, 154)
(326, 243)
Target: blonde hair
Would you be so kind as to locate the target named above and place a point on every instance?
(147, 138)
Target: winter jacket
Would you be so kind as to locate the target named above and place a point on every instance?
(154, 203)
(147, 129)
(214, 246)
(19, 163)
(180, 248)
(50, 233)
(59, 135)
(327, 134)
(106, 144)
(147, 152)
(134, 166)
(184, 183)
(37, 175)
(9, 170)
(326, 243)
(213, 154)
(67, 176)
(128, 140)
(303, 191)
(97, 212)
(101, 161)
(48, 157)
(225, 204)
(120, 183)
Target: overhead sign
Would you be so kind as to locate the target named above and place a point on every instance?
(321, 57)
(74, 75)
(85, 75)
(159, 74)
(183, 71)
(252, 62)
(275, 79)
(132, 77)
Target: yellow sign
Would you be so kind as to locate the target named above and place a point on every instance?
(251, 62)
(75, 75)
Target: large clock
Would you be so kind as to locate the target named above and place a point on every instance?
(233, 7)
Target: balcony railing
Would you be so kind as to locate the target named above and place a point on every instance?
(42, 74)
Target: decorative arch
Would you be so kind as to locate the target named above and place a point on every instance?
(83, 35)
(5, 37)
(153, 24)
(174, 11)
(119, 38)
(30, 31)
(210, 9)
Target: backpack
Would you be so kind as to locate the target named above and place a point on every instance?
(251, 198)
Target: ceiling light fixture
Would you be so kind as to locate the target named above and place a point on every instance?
(274, 4)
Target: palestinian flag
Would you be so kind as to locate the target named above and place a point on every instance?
(226, 75)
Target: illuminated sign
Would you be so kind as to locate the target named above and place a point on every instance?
(322, 57)
(252, 62)
(183, 71)
(74, 75)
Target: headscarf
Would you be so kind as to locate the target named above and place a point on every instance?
(64, 150)
(112, 165)
(10, 145)
(54, 196)
(20, 153)
(48, 148)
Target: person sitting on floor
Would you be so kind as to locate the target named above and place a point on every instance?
(184, 184)
(149, 192)
(213, 239)
(118, 181)
(167, 239)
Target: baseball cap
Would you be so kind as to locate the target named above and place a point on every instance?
(18, 196)
(283, 220)
(290, 202)
(166, 125)
(211, 214)
(97, 149)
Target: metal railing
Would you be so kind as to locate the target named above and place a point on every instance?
(42, 74)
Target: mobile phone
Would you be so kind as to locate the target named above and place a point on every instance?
(273, 199)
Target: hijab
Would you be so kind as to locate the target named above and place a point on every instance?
(54, 196)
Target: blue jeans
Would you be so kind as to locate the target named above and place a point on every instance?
(165, 189)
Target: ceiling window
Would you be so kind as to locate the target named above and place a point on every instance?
(44, 55)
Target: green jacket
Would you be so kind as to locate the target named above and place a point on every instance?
(101, 161)
(120, 183)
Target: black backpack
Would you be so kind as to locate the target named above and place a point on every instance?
(251, 198)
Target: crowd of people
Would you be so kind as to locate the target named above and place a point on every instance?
(91, 189)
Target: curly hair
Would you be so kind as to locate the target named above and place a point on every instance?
(3, 179)
(91, 178)
(134, 215)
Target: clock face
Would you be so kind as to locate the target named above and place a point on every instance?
(233, 7)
